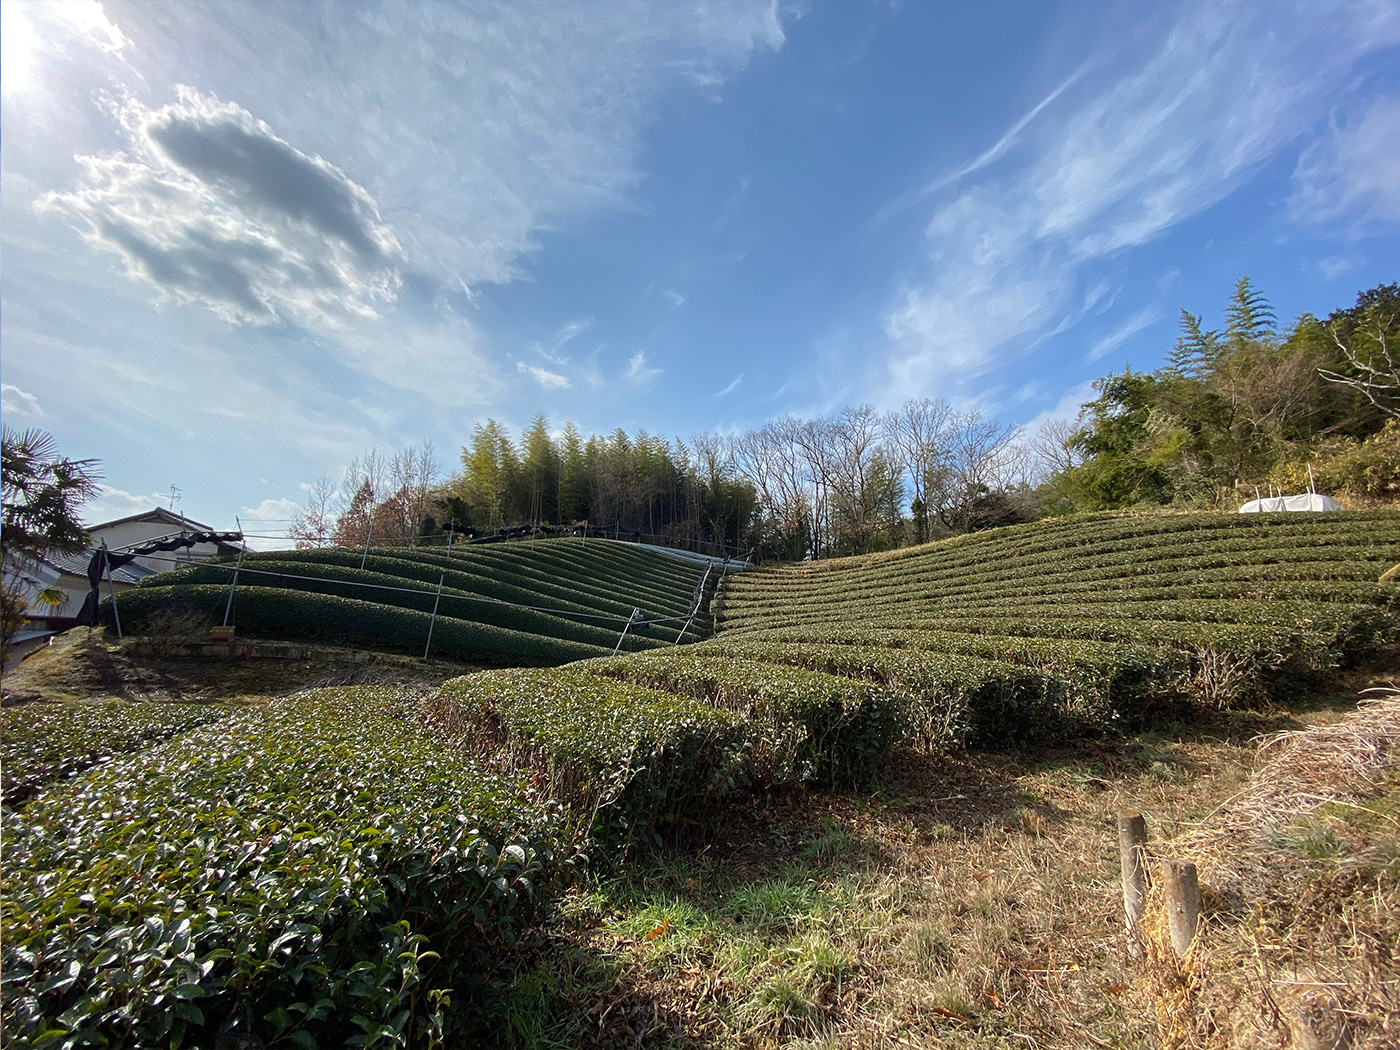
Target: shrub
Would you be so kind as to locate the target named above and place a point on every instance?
(315, 872)
(626, 760)
(271, 611)
(44, 743)
(803, 724)
(944, 700)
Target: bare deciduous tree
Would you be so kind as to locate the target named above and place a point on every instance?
(1375, 370)
(314, 524)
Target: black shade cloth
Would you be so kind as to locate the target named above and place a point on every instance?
(104, 559)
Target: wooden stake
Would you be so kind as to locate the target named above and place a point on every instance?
(1183, 903)
(1132, 844)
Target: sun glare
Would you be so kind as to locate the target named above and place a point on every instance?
(17, 41)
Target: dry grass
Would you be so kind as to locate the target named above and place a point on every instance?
(973, 901)
(84, 665)
(1301, 878)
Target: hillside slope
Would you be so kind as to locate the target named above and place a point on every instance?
(547, 602)
(1120, 610)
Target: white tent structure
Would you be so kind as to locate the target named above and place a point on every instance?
(1312, 500)
(1304, 501)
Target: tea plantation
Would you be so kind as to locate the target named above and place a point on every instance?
(341, 867)
(544, 603)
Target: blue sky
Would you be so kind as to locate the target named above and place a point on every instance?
(244, 242)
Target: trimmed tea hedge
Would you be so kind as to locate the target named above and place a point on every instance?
(44, 743)
(628, 760)
(280, 613)
(317, 872)
(944, 700)
(559, 591)
(363, 585)
(804, 724)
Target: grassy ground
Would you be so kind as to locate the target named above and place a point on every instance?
(86, 665)
(963, 902)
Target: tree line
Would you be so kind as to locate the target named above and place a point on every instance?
(1232, 408)
(1245, 406)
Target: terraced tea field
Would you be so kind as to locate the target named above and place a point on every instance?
(540, 603)
(355, 866)
(1086, 619)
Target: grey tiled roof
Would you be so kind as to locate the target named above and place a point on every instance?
(77, 564)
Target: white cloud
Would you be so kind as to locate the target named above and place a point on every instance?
(265, 526)
(1353, 173)
(474, 126)
(571, 331)
(989, 156)
(1226, 89)
(1334, 266)
(111, 503)
(14, 401)
(733, 386)
(1066, 409)
(210, 206)
(1130, 327)
(676, 298)
(639, 372)
(547, 379)
(31, 34)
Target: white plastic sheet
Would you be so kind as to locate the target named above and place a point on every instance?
(1304, 501)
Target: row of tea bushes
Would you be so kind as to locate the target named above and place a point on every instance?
(1108, 548)
(544, 602)
(315, 872)
(806, 725)
(569, 592)
(41, 744)
(381, 589)
(1128, 611)
(282, 613)
(627, 760)
(942, 700)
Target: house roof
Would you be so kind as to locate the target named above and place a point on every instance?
(160, 514)
(77, 565)
(169, 518)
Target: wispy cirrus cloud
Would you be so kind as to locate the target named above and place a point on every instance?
(547, 379)
(1352, 174)
(1109, 164)
(639, 372)
(731, 387)
(1131, 326)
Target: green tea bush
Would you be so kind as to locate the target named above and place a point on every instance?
(315, 872)
(1016, 688)
(44, 743)
(626, 760)
(517, 574)
(274, 612)
(382, 589)
(804, 724)
(944, 700)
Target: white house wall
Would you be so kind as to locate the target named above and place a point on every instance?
(130, 533)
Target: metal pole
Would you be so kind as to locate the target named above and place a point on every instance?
(433, 621)
(228, 607)
(449, 535)
(636, 613)
(111, 590)
(368, 533)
